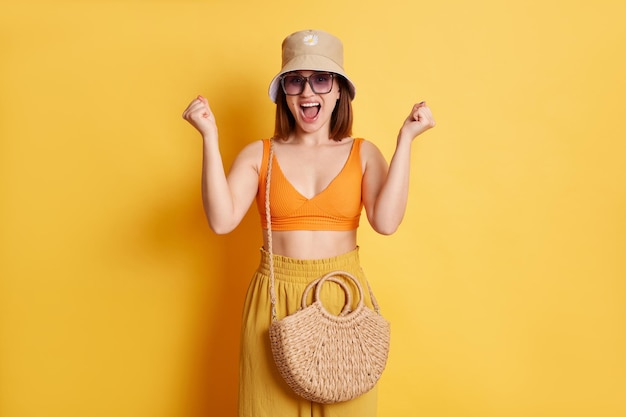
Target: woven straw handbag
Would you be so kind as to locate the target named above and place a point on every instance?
(327, 358)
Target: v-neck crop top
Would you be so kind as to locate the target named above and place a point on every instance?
(337, 207)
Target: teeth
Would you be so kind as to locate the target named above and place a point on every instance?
(310, 104)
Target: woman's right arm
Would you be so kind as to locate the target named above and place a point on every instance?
(226, 199)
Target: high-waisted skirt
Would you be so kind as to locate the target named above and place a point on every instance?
(262, 391)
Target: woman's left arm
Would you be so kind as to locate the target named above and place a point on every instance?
(385, 189)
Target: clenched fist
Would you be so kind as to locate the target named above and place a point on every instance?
(419, 120)
(200, 116)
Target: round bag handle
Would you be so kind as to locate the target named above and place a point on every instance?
(331, 277)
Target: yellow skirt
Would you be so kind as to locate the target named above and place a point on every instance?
(262, 391)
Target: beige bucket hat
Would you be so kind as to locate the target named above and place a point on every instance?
(312, 50)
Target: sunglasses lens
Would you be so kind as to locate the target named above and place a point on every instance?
(322, 83)
(293, 84)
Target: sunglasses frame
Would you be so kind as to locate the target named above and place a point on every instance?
(307, 80)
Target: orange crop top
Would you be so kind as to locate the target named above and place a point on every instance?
(337, 207)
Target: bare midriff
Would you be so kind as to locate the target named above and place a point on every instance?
(311, 244)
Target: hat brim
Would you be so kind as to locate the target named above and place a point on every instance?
(310, 63)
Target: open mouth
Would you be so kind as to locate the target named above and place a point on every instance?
(310, 110)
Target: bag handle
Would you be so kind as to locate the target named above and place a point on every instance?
(272, 289)
(331, 277)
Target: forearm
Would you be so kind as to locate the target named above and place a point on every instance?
(225, 199)
(392, 200)
(216, 195)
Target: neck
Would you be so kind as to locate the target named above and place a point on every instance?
(319, 137)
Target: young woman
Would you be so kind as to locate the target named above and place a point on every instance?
(321, 179)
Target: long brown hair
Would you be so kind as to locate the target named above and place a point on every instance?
(340, 121)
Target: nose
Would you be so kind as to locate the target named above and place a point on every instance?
(307, 90)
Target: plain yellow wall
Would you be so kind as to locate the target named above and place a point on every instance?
(505, 285)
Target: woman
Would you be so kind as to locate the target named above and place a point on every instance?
(321, 179)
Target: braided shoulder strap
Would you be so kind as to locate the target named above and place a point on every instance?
(268, 219)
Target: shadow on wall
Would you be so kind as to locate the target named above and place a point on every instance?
(212, 272)
(215, 357)
(228, 261)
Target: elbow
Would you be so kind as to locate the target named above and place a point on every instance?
(385, 220)
(386, 230)
(385, 227)
(221, 228)
(219, 231)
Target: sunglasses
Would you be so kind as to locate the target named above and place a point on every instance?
(320, 82)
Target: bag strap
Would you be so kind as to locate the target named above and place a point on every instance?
(268, 219)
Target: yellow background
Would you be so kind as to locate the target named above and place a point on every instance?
(505, 285)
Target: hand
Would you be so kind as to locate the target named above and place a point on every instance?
(419, 120)
(200, 116)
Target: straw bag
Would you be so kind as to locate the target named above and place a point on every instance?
(326, 358)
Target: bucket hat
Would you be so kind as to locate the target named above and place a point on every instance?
(312, 50)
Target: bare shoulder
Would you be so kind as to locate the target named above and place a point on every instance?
(370, 152)
(251, 154)
(368, 146)
(253, 148)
